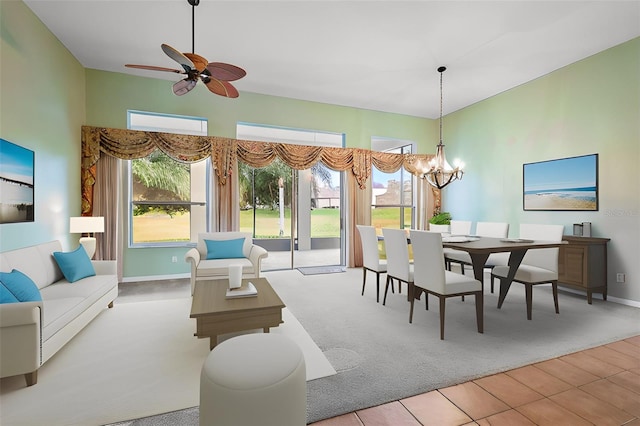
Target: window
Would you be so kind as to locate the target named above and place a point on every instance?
(392, 193)
(168, 199)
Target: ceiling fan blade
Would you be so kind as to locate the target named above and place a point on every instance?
(199, 62)
(221, 88)
(154, 68)
(178, 57)
(184, 86)
(225, 72)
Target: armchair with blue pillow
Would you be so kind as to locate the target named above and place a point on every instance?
(215, 251)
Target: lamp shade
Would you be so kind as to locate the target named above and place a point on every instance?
(86, 224)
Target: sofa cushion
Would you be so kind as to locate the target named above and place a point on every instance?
(75, 264)
(36, 262)
(225, 249)
(64, 301)
(20, 285)
(220, 267)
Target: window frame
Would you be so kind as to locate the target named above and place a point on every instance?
(207, 185)
(389, 145)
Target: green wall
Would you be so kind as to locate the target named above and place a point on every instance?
(592, 106)
(42, 106)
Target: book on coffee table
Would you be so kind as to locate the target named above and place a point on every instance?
(246, 290)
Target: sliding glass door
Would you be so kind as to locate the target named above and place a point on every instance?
(295, 214)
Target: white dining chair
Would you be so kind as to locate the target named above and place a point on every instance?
(456, 227)
(539, 266)
(431, 277)
(483, 229)
(371, 257)
(460, 227)
(399, 267)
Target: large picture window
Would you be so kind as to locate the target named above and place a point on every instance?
(168, 199)
(392, 193)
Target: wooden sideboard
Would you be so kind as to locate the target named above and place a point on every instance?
(582, 265)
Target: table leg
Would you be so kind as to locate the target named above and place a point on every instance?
(213, 341)
(478, 260)
(515, 258)
(266, 329)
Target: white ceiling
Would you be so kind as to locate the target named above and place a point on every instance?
(377, 55)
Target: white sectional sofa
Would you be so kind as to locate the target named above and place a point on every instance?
(206, 265)
(32, 332)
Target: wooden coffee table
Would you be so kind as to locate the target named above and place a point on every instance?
(215, 314)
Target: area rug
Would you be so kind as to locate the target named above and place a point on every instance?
(134, 360)
(319, 270)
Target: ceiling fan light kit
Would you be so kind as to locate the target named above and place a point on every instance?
(215, 75)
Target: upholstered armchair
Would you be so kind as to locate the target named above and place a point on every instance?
(215, 251)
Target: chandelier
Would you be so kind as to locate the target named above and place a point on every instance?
(439, 172)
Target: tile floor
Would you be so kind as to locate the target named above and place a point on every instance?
(598, 386)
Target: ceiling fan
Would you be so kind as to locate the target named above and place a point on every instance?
(215, 75)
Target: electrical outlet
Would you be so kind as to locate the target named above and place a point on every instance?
(620, 277)
(174, 259)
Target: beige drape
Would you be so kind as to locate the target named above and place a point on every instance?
(106, 203)
(225, 154)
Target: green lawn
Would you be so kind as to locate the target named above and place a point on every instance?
(325, 223)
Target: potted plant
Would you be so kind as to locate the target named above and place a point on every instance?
(440, 222)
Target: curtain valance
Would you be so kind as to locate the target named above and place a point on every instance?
(131, 144)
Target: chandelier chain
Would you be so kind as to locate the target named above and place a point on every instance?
(441, 72)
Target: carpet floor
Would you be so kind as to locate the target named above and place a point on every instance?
(135, 360)
(380, 357)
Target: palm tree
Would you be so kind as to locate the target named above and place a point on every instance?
(159, 177)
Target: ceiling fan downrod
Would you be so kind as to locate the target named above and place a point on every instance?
(193, 4)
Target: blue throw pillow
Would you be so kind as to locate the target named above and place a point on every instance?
(225, 249)
(17, 287)
(75, 265)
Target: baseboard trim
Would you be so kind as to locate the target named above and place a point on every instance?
(619, 300)
(155, 278)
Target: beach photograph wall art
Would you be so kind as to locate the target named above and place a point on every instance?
(561, 184)
(16, 183)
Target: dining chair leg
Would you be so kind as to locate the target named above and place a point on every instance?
(377, 287)
(442, 305)
(386, 289)
(492, 284)
(554, 286)
(480, 311)
(412, 292)
(529, 296)
(364, 278)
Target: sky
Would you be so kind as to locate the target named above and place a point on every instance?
(16, 162)
(574, 172)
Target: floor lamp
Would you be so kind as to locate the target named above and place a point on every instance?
(88, 225)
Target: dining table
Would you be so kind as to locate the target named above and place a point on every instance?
(479, 249)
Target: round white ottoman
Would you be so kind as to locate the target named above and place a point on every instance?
(254, 380)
